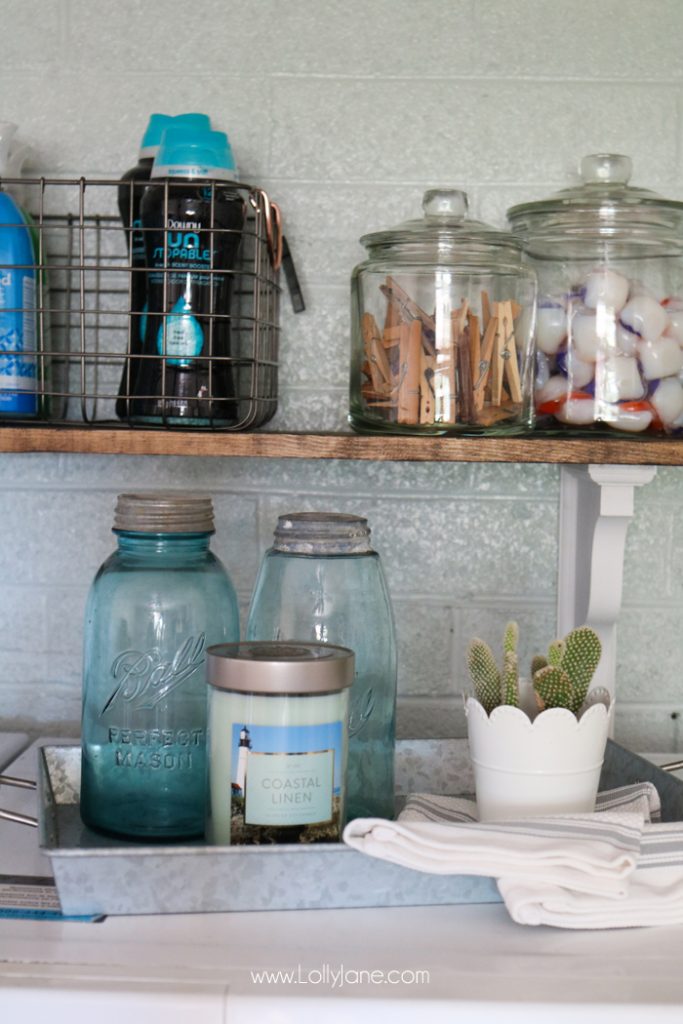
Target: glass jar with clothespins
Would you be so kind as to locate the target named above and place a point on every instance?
(442, 324)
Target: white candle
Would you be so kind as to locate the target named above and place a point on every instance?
(278, 737)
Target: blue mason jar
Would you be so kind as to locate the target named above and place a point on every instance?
(155, 606)
(321, 581)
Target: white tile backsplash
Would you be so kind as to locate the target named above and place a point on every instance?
(74, 129)
(346, 111)
(466, 131)
(610, 39)
(33, 37)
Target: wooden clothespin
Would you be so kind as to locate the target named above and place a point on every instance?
(409, 372)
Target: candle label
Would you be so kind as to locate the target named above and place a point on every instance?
(286, 783)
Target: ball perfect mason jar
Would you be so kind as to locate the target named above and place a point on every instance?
(155, 606)
(609, 324)
(442, 320)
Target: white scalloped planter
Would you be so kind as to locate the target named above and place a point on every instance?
(524, 768)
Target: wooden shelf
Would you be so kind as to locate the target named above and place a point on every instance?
(124, 441)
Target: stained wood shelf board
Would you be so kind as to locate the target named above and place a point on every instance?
(381, 448)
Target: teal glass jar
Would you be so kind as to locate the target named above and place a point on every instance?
(322, 582)
(155, 606)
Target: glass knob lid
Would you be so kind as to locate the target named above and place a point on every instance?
(444, 231)
(602, 194)
(606, 168)
(445, 204)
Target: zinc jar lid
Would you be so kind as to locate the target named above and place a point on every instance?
(322, 533)
(279, 667)
(163, 512)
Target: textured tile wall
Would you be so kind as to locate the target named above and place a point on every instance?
(346, 112)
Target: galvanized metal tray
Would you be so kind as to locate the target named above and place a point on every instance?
(97, 875)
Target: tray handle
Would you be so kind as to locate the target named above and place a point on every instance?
(20, 819)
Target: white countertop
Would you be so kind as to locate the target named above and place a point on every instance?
(481, 967)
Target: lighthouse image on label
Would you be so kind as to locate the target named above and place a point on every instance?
(242, 755)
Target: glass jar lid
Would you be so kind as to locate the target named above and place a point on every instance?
(445, 232)
(602, 204)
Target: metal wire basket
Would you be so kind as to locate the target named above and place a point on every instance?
(90, 347)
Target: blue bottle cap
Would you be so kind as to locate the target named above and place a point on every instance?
(158, 123)
(189, 152)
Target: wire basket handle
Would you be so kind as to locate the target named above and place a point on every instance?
(273, 222)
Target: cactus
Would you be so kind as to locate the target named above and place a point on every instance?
(582, 651)
(555, 652)
(510, 638)
(491, 686)
(560, 680)
(553, 688)
(564, 681)
(537, 662)
(510, 687)
(485, 674)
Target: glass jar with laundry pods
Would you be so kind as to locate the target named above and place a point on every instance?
(441, 324)
(609, 323)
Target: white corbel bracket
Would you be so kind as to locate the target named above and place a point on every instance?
(596, 507)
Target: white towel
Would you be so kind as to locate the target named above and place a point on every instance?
(587, 853)
(654, 891)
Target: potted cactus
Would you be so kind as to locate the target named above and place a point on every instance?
(537, 745)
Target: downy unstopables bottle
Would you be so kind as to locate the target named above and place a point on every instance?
(155, 606)
(130, 192)
(18, 311)
(321, 581)
(192, 220)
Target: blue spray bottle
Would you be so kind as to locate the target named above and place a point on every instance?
(50, 405)
(18, 286)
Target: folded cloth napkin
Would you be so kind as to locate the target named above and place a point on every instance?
(587, 853)
(654, 894)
